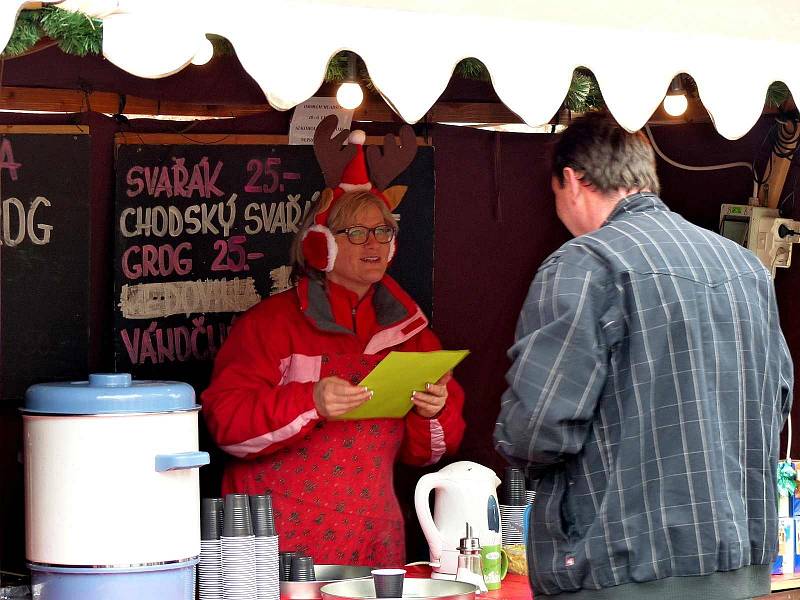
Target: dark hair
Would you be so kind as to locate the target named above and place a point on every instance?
(607, 156)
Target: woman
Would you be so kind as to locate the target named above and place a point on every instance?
(290, 366)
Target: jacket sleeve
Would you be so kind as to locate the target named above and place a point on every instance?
(786, 379)
(249, 407)
(427, 440)
(559, 366)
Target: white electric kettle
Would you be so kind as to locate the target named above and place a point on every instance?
(465, 493)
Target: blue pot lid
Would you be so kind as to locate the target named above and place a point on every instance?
(108, 393)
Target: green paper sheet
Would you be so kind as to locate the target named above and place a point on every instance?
(399, 374)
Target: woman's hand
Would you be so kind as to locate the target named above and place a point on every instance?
(334, 396)
(430, 403)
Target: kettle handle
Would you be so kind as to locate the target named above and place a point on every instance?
(425, 485)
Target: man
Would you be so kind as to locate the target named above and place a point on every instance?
(649, 385)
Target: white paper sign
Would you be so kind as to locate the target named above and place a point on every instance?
(307, 116)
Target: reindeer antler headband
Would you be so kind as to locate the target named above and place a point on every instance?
(345, 169)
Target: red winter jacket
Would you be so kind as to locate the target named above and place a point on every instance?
(331, 481)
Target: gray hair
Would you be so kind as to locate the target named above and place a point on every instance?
(606, 156)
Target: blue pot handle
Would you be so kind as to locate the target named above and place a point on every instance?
(181, 460)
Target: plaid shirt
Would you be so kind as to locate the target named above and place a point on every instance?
(649, 385)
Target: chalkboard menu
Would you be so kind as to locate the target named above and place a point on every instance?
(44, 260)
(203, 232)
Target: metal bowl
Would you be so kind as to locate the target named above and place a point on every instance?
(309, 590)
(421, 589)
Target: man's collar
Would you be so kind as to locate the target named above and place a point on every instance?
(636, 202)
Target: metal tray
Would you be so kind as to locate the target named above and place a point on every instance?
(309, 590)
(420, 589)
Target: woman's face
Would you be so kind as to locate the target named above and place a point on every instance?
(357, 267)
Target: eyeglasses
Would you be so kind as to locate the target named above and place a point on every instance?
(359, 235)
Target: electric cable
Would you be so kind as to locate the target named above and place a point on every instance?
(783, 137)
(731, 165)
(786, 139)
(786, 204)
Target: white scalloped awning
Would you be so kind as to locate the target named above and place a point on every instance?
(734, 49)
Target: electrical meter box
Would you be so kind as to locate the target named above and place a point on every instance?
(749, 226)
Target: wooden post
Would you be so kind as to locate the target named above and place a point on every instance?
(780, 168)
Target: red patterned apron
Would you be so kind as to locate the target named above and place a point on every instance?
(333, 490)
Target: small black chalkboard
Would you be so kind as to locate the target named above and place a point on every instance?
(44, 260)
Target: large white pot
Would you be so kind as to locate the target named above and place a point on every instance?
(111, 473)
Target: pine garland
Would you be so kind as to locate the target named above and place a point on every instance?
(584, 93)
(74, 33)
(79, 34)
(337, 68)
(26, 33)
(777, 93)
(472, 68)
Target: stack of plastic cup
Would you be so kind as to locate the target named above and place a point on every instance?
(238, 550)
(302, 568)
(268, 585)
(513, 487)
(210, 567)
(285, 565)
(512, 508)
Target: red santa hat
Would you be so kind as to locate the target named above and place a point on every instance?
(354, 176)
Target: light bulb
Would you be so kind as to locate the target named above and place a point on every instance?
(204, 54)
(349, 95)
(675, 105)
